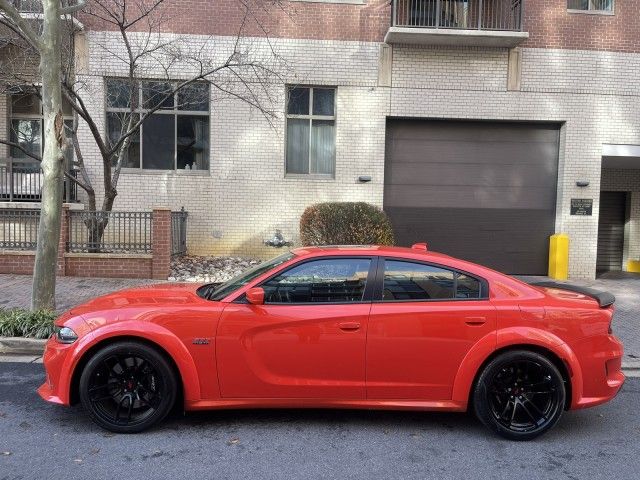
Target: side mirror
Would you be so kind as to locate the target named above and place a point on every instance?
(255, 296)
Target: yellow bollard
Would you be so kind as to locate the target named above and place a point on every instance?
(633, 266)
(559, 256)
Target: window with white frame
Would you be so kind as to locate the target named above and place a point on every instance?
(311, 130)
(591, 5)
(174, 137)
(26, 123)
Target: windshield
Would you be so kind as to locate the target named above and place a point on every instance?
(245, 277)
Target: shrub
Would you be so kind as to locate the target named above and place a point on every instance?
(345, 223)
(25, 323)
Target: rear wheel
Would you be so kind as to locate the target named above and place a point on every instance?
(519, 395)
(127, 387)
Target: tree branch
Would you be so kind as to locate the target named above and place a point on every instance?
(73, 8)
(13, 14)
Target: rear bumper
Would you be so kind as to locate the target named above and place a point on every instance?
(601, 363)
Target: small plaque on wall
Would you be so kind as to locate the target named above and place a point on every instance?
(582, 206)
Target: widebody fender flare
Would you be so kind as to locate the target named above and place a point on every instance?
(511, 338)
(145, 331)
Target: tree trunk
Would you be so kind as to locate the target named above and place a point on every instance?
(44, 273)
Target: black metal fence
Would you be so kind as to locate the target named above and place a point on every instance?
(21, 181)
(462, 14)
(179, 232)
(19, 228)
(109, 232)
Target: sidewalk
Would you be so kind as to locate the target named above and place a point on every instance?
(70, 291)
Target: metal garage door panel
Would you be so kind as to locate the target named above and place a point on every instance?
(481, 191)
(613, 207)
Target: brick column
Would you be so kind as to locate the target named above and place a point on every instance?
(161, 242)
(62, 242)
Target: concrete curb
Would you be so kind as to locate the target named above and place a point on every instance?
(21, 346)
(33, 346)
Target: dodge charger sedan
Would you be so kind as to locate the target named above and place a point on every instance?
(341, 327)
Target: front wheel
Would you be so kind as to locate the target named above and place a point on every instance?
(127, 387)
(519, 395)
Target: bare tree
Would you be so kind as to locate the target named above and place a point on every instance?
(47, 43)
(165, 68)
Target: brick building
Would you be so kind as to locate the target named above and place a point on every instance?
(481, 127)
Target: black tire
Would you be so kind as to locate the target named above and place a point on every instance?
(519, 395)
(127, 387)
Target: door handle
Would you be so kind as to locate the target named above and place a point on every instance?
(349, 325)
(475, 321)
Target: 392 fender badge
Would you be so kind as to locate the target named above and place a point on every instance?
(201, 341)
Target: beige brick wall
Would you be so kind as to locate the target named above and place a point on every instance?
(245, 195)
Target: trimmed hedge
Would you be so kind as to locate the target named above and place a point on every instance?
(25, 323)
(345, 223)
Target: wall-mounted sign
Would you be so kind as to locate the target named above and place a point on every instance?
(581, 206)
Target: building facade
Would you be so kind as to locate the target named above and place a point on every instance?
(481, 128)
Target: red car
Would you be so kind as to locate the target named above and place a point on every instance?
(341, 327)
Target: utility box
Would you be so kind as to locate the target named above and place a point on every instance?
(559, 256)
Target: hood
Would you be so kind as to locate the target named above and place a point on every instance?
(162, 295)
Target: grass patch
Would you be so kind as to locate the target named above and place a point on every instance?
(26, 323)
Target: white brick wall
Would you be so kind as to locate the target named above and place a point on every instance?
(4, 126)
(246, 195)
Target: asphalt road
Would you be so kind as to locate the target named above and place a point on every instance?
(39, 441)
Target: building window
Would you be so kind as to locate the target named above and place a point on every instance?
(311, 130)
(26, 123)
(591, 5)
(174, 137)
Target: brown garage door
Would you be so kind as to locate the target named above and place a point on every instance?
(482, 191)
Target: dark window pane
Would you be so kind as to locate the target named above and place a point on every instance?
(414, 281)
(28, 103)
(323, 146)
(320, 281)
(604, 5)
(298, 102)
(66, 106)
(118, 92)
(323, 101)
(467, 287)
(158, 142)
(193, 142)
(117, 126)
(194, 97)
(69, 152)
(297, 145)
(27, 133)
(156, 94)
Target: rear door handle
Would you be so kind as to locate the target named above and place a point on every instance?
(475, 321)
(349, 325)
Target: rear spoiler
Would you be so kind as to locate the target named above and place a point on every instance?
(604, 298)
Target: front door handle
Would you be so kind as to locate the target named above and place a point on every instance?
(349, 325)
(475, 321)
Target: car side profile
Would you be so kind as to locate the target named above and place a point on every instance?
(341, 327)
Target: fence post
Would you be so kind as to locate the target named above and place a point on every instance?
(161, 242)
(63, 242)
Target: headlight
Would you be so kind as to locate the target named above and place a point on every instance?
(66, 335)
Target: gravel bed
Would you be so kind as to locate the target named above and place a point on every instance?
(208, 269)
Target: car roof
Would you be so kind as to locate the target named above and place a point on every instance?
(421, 253)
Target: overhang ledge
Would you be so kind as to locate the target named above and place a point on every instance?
(455, 37)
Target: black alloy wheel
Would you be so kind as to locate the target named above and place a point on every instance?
(520, 395)
(127, 387)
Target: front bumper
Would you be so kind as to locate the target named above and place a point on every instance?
(55, 388)
(601, 363)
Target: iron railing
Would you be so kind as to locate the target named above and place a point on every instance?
(460, 14)
(109, 232)
(21, 181)
(179, 232)
(19, 228)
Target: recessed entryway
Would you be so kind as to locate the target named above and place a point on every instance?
(611, 231)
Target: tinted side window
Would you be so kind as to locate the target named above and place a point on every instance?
(416, 281)
(320, 281)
